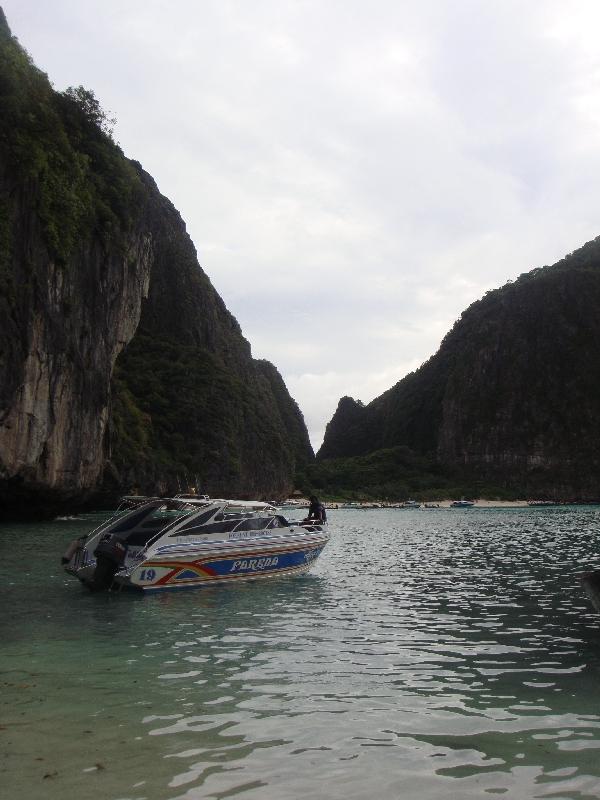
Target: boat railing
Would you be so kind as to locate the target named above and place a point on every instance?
(130, 501)
(80, 558)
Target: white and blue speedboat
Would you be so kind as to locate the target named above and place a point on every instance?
(181, 544)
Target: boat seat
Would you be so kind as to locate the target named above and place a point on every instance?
(138, 538)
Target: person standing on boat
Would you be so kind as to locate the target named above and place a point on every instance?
(316, 510)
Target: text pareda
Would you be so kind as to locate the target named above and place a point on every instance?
(253, 564)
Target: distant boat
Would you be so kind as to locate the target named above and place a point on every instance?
(432, 505)
(534, 503)
(462, 504)
(411, 504)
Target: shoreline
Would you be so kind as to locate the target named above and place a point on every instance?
(433, 504)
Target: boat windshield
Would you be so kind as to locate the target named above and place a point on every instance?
(227, 523)
(139, 527)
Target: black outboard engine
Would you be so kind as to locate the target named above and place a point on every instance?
(110, 555)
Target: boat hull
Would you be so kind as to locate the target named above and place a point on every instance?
(162, 574)
(197, 565)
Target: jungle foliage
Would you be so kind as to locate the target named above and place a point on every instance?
(395, 474)
(174, 410)
(60, 145)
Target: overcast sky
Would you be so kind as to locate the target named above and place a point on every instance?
(353, 174)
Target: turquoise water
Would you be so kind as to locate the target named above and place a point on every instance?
(429, 654)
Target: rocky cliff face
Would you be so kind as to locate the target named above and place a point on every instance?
(349, 431)
(513, 394)
(92, 259)
(190, 404)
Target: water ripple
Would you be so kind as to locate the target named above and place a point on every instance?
(430, 654)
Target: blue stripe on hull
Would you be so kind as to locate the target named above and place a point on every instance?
(206, 572)
(249, 565)
(206, 583)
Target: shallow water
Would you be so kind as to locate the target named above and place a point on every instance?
(430, 653)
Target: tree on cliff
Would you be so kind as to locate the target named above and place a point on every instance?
(88, 103)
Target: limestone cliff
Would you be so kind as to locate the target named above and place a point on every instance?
(511, 397)
(190, 404)
(93, 258)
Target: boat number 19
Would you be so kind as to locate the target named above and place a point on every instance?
(147, 574)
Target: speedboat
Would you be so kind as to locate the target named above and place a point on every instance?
(181, 543)
(462, 504)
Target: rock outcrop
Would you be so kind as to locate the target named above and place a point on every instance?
(97, 270)
(511, 397)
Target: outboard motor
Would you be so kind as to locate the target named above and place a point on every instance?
(110, 555)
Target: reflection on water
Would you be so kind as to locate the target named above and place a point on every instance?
(430, 653)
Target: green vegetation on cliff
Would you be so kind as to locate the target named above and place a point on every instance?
(58, 144)
(396, 474)
(390, 474)
(174, 408)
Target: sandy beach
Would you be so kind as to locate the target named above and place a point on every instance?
(490, 503)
